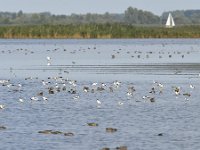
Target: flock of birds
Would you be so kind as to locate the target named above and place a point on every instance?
(127, 92)
(116, 53)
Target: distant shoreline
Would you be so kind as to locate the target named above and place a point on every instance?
(97, 31)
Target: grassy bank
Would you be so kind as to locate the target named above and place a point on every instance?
(98, 31)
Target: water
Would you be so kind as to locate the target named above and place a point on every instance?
(141, 64)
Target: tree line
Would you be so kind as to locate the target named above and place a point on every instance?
(131, 16)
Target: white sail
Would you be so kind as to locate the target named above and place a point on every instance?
(170, 21)
(173, 24)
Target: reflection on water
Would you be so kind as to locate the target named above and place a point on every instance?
(146, 89)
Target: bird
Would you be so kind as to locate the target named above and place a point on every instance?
(120, 103)
(76, 97)
(86, 89)
(21, 100)
(44, 83)
(131, 89)
(94, 84)
(116, 83)
(72, 82)
(152, 99)
(177, 90)
(129, 94)
(4, 81)
(2, 106)
(145, 97)
(152, 90)
(160, 85)
(98, 102)
(103, 84)
(48, 58)
(34, 98)
(44, 98)
(192, 86)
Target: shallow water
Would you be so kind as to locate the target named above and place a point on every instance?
(141, 64)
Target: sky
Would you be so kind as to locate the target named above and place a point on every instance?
(68, 7)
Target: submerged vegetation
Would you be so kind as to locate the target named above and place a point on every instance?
(115, 30)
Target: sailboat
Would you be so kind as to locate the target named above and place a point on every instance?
(170, 21)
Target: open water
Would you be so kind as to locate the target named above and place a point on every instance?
(146, 89)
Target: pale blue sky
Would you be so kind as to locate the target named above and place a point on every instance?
(96, 6)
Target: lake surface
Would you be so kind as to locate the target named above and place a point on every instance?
(146, 89)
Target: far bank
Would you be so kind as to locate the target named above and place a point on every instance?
(95, 31)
